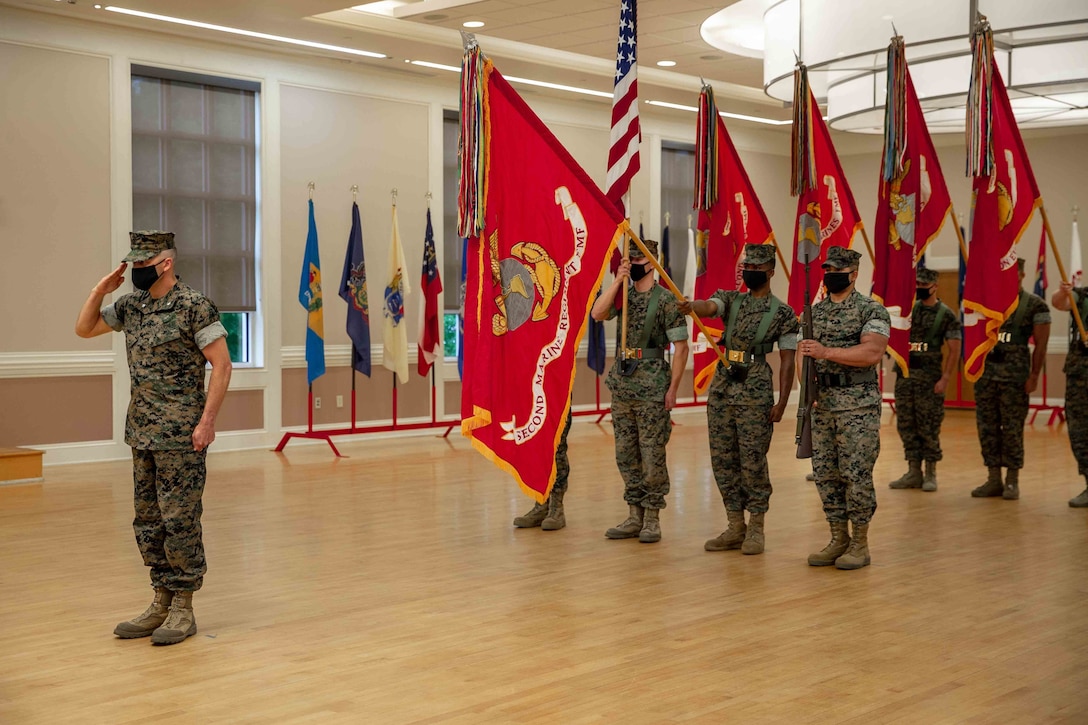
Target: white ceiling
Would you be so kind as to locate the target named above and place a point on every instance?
(572, 42)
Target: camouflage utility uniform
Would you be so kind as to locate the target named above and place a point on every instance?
(642, 424)
(738, 412)
(1001, 402)
(919, 411)
(846, 418)
(1076, 385)
(164, 338)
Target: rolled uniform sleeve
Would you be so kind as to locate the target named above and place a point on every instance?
(788, 341)
(880, 326)
(111, 317)
(207, 335)
(676, 325)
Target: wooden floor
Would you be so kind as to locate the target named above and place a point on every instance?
(390, 587)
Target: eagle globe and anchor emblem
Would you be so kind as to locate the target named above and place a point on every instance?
(528, 280)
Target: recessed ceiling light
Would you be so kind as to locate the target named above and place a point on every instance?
(473, 24)
(666, 63)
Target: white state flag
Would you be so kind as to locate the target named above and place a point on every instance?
(1076, 270)
(689, 275)
(395, 337)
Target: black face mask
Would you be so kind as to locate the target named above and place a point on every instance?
(638, 271)
(923, 293)
(836, 281)
(144, 278)
(754, 278)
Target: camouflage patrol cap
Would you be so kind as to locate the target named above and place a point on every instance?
(926, 276)
(650, 245)
(148, 245)
(759, 254)
(1021, 263)
(841, 258)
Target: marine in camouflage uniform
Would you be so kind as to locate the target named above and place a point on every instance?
(643, 397)
(171, 332)
(1011, 373)
(851, 334)
(740, 407)
(919, 397)
(549, 515)
(1076, 384)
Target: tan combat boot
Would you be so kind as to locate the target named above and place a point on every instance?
(992, 487)
(651, 527)
(753, 542)
(1079, 502)
(732, 537)
(180, 622)
(929, 480)
(1011, 491)
(857, 555)
(630, 528)
(150, 620)
(534, 517)
(556, 519)
(911, 479)
(840, 541)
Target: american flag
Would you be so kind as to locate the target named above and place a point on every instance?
(623, 160)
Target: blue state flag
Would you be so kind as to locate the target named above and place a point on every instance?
(309, 296)
(353, 290)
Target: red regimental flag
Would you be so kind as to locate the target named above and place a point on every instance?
(735, 219)
(1002, 207)
(533, 273)
(910, 211)
(826, 214)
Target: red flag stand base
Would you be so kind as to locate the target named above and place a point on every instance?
(328, 435)
(1057, 412)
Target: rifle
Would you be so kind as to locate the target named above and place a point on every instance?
(806, 251)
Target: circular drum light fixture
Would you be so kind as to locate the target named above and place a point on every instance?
(1041, 49)
(666, 63)
(473, 24)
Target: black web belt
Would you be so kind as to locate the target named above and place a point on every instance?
(845, 380)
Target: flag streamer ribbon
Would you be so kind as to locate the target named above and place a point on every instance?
(473, 143)
(980, 121)
(803, 166)
(706, 151)
(895, 111)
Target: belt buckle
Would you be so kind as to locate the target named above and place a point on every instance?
(633, 353)
(735, 356)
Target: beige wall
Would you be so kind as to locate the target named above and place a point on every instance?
(54, 193)
(336, 140)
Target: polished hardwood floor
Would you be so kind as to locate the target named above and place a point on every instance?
(390, 587)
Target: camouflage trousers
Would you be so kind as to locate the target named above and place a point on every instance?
(1000, 412)
(1076, 415)
(919, 413)
(845, 445)
(740, 436)
(642, 430)
(168, 490)
(562, 462)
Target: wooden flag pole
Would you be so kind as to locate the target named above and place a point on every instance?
(626, 284)
(868, 246)
(782, 259)
(959, 232)
(1073, 306)
(676, 291)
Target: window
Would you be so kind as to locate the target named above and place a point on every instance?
(194, 173)
(453, 246)
(677, 196)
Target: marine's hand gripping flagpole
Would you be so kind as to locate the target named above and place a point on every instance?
(671, 287)
(1074, 308)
